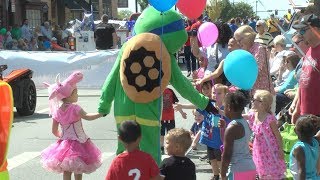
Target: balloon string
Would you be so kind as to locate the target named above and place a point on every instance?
(160, 72)
(215, 92)
(294, 44)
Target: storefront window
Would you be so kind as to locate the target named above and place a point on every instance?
(34, 17)
(123, 3)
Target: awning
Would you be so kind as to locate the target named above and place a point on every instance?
(78, 5)
(70, 4)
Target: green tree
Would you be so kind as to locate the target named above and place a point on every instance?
(224, 10)
(124, 14)
(227, 11)
(243, 10)
(143, 4)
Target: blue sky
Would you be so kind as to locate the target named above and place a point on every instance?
(271, 5)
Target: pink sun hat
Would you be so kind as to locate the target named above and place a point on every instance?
(61, 90)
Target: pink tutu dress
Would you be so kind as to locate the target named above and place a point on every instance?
(266, 155)
(74, 151)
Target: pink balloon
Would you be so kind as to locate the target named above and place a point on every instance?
(191, 8)
(208, 34)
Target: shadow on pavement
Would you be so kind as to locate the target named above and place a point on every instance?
(35, 116)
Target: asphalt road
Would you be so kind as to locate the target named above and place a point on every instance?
(30, 135)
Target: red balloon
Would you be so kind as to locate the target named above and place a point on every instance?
(191, 8)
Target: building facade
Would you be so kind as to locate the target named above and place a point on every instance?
(74, 9)
(12, 12)
(131, 5)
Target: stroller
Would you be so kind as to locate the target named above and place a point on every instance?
(283, 116)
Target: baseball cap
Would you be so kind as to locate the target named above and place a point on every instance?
(306, 20)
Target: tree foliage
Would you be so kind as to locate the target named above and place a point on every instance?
(224, 10)
(243, 10)
(143, 4)
(124, 14)
(214, 10)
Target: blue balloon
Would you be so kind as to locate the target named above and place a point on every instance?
(241, 69)
(162, 5)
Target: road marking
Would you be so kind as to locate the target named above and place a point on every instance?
(21, 159)
(28, 156)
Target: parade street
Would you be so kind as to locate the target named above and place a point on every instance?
(30, 135)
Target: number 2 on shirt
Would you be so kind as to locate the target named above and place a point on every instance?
(136, 172)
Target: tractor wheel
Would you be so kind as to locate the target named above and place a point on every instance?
(29, 99)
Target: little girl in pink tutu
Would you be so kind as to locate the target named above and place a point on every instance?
(267, 151)
(73, 152)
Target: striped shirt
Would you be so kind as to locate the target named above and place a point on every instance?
(265, 39)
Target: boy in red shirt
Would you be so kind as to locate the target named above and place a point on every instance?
(125, 166)
(167, 120)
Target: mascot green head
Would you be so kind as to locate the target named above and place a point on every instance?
(168, 25)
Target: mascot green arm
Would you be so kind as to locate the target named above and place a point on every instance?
(185, 88)
(109, 87)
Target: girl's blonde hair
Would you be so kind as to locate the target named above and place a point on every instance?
(247, 32)
(266, 98)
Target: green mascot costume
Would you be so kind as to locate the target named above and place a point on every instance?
(134, 81)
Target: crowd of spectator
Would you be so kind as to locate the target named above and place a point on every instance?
(288, 81)
(40, 38)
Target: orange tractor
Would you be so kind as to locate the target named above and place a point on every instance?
(23, 89)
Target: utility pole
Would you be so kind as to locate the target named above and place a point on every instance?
(256, 8)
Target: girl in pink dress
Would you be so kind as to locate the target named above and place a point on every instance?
(73, 152)
(267, 152)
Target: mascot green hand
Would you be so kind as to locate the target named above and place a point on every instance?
(133, 82)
